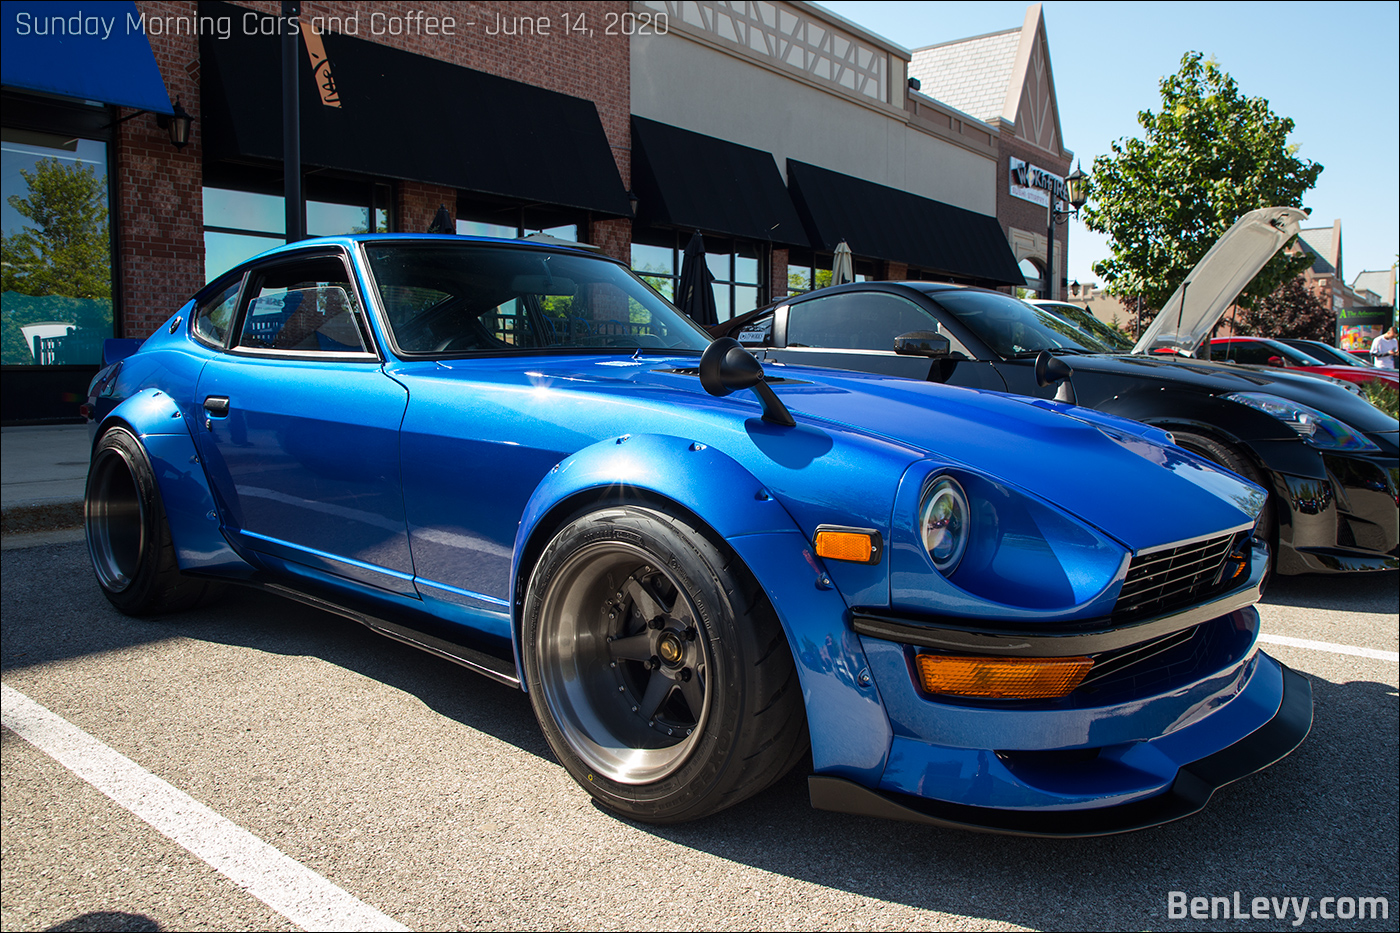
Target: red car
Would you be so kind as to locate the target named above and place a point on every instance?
(1259, 351)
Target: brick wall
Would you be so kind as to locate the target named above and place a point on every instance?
(1014, 213)
(159, 202)
(777, 274)
(417, 204)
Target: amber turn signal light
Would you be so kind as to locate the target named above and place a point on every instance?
(1019, 678)
(861, 545)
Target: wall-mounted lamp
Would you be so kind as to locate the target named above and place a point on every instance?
(179, 124)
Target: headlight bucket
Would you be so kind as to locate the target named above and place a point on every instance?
(1316, 428)
(965, 544)
(945, 522)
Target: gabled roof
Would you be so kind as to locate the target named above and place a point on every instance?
(1000, 76)
(970, 75)
(1325, 244)
(1380, 281)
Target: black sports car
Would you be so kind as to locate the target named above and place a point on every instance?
(1328, 457)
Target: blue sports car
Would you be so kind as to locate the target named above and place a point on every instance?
(979, 610)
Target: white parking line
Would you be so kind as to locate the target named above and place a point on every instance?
(1329, 646)
(282, 883)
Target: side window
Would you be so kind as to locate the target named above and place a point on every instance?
(307, 306)
(855, 321)
(1256, 354)
(213, 317)
(758, 332)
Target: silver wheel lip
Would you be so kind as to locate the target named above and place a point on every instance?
(565, 694)
(98, 520)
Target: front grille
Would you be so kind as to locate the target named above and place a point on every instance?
(1171, 579)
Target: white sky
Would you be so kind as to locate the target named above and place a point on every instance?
(1332, 67)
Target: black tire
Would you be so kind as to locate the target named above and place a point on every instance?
(128, 537)
(657, 668)
(1232, 459)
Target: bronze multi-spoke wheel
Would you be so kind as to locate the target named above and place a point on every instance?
(656, 667)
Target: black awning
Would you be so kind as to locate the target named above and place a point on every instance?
(698, 182)
(93, 51)
(886, 223)
(406, 116)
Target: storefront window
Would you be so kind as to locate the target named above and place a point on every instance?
(525, 227)
(657, 266)
(57, 249)
(735, 266)
(806, 277)
(240, 224)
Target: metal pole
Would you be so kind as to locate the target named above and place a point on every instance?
(291, 123)
(1049, 288)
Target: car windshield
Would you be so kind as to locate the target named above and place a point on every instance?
(469, 298)
(1330, 356)
(1084, 319)
(1012, 328)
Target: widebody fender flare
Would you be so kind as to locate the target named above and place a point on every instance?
(195, 527)
(845, 716)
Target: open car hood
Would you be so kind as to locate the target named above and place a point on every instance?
(1217, 280)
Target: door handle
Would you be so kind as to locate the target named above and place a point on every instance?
(216, 405)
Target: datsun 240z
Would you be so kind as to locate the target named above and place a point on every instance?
(978, 610)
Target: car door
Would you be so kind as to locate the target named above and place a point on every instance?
(300, 428)
(856, 330)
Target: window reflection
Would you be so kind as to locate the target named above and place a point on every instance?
(57, 258)
(239, 225)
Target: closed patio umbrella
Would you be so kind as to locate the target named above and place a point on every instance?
(843, 265)
(695, 295)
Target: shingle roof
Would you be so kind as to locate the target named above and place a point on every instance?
(969, 74)
(1378, 281)
(1318, 241)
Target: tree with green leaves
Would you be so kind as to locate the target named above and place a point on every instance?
(1209, 156)
(62, 257)
(1290, 311)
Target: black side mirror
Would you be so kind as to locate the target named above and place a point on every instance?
(727, 367)
(922, 343)
(1050, 370)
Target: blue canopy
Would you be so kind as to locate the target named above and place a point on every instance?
(89, 51)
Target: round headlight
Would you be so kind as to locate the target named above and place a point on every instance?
(944, 523)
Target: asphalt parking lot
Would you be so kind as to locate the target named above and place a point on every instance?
(396, 790)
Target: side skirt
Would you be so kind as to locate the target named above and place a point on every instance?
(474, 659)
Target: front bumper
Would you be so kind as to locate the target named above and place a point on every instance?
(1347, 522)
(1188, 793)
(1186, 704)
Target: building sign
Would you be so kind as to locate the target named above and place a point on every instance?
(1357, 327)
(1035, 184)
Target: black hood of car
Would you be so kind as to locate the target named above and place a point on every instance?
(1139, 371)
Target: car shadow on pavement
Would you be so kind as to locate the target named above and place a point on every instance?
(76, 620)
(1351, 592)
(1321, 822)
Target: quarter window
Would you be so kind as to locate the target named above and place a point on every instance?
(213, 317)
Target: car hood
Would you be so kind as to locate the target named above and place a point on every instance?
(1118, 475)
(1119, 371)
(1216, 281)
(1115, 475)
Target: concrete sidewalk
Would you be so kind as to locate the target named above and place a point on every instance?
(44, 471)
